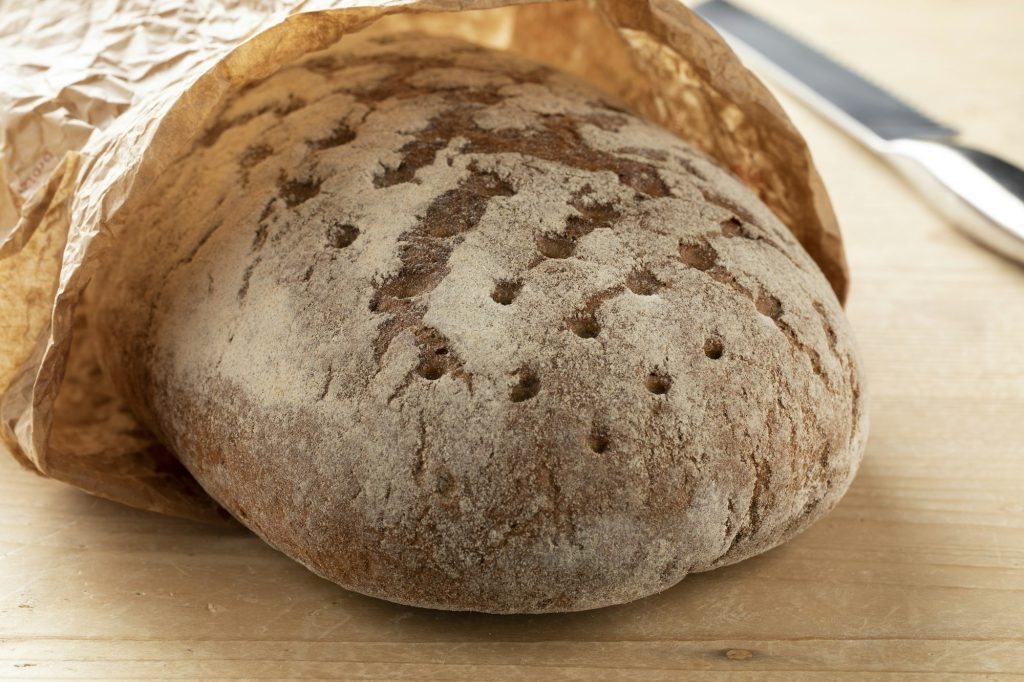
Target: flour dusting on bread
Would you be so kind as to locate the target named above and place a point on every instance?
(456, 330)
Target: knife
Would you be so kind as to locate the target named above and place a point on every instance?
(980, 193)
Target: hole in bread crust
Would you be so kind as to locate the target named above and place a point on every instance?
(431, 370)
(643, 282)
(597, 440)
(341, 235)
(733, 227)
(643, 178)
(713, 197)
(506, 291)
(714, 347)
(699, 256)
(591, 215)
(658, 383)
(584, 326)
(445, 483)
(555, 247)
(769, 306)
(295, 191)
(528, 386)
(437, 358)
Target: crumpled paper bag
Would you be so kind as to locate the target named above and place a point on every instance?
(97, 98)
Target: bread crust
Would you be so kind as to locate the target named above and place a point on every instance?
(455, 330)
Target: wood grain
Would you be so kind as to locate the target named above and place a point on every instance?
(918, 573)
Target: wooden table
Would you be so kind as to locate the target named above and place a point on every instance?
(919, 570)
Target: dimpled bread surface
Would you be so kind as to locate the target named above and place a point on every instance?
(455, 330)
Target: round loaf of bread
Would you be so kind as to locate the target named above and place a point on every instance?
(454, 330)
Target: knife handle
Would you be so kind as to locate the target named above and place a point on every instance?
(981, 194)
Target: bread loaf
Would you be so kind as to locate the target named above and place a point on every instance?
(455, 330)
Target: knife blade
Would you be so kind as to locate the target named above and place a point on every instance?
(980, 193)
